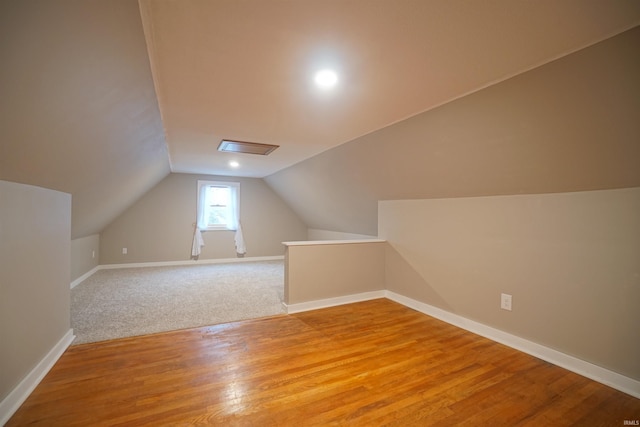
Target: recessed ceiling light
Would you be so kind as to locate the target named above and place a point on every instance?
(326, 78)
(234, 164)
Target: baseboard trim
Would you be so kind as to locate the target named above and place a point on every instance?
(190, 262)
(89, 273)
(18, 395)
(332, 302)
(597, 373)
(84, 276)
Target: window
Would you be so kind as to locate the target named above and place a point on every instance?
(218, 205)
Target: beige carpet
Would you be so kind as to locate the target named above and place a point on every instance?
(137, 301)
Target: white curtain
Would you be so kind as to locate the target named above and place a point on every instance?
(197, 244)
(234, 220)
(202, 199)
(234, 208)
(241, 248)
(198, 241)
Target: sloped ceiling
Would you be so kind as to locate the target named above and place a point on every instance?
(78, 110)
(570, 125)
(244, 69)
(90, 90)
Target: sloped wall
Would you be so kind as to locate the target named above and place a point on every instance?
(78, 110)
(159, 227)
(570, 125)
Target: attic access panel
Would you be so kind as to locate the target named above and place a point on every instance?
(244, 147)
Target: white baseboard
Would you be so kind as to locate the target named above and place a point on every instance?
(84, 276)
(89, 273)
(191, 262)
(332, 302)
(612, 379)
(18, 395)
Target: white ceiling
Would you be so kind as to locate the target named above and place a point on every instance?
(244, 69)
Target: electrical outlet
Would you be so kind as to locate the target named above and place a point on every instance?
(505, 302)
(93, 254)
(124, 251)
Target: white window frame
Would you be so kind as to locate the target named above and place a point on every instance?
(235, 210)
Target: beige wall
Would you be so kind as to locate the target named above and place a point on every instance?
(570, 260)
(85, 255)
(321, 271)
(313, 234)
(159, 227)
(35, 235)
(570, 125)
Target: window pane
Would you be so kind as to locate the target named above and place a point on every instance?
(217, 205)
(217, 202)
(218, 196)
(217, 216)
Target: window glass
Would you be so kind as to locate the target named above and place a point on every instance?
(218, 205)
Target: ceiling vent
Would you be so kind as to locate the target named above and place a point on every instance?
(243, 147)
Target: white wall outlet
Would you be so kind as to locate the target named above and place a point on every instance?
(93, 254)
(124, 251)
(505, 301)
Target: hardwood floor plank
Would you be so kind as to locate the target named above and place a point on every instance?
(365, 364)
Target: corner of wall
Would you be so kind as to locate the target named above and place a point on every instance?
(85, 256)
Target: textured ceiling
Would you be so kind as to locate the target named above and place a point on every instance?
(244, 69)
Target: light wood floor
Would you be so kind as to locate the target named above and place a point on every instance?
(367, 364)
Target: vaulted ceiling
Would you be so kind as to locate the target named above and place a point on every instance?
(78, 110)
(244, 69)
(103, 99)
